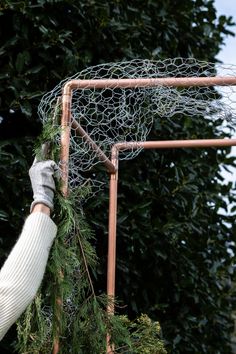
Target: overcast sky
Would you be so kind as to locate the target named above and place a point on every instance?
(228, 52)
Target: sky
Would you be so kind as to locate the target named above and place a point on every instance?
(228, 53)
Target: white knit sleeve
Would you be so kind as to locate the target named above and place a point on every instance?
(23, 271)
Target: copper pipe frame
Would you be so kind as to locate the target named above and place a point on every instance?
(112, 165)
(64, 157)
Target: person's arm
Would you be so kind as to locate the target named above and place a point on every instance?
(22, 273)
(41, 208)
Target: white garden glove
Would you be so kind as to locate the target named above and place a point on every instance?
(42, 181)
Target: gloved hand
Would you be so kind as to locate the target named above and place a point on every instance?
(41, 175)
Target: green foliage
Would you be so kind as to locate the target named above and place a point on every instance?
(145, 336)
(67, 282)
(173, 261)
(67, 310)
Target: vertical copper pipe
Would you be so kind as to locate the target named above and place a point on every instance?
(111, 261)
(64, 157)
(65, 140)
(112, 237)
(112, 228)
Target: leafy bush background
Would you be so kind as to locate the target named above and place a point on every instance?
(173, 261)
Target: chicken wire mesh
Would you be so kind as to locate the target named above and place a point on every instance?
(119, 114)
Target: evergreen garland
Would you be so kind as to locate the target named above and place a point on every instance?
(66, 306)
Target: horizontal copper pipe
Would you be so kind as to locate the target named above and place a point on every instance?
(173, 144)
(145, 82)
